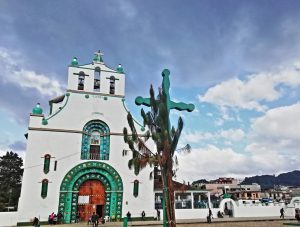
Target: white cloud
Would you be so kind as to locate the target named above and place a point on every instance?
(273, 147)
(40, 82)
(194, 137)
(197, 136)
(232, 134)
(249, 93)
(212, 162)
(14, 72)
(277, 130)
(219, 122)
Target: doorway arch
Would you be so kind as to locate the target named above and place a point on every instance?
(92, 170)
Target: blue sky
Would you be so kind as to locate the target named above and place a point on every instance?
(237, 61)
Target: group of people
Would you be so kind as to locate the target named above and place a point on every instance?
(143, 215)
(54, 219)
(95, 220)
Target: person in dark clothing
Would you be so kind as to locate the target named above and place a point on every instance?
(282, 213)
(36, 222)
(297, 214)
(209, 216)
(158, 214)
(143, 215)
(59, 218)
(128, 216)
(95, 218)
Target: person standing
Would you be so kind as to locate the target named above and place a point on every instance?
(143, 215)
(128, 216)
(158, 214)
(95, 218)
(209, 216)
(282, 213)
(36, 222)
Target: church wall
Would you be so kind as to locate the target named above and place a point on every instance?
(8, 218)
(65, 147)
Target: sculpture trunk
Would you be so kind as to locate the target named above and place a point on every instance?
(168, 190)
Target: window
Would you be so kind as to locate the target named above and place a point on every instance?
(44, 188)
(55, 165)
(95, 141)
(112, 81)
(97, 79)
(183, 201)
(81, 78)
(158, 201)
(136, 188)
(200, 200)
(47, 159)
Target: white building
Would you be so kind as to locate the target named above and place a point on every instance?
(74, 158)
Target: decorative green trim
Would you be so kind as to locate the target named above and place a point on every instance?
(120, 69)
(95, 93)
(103, 129)
(37, 110)
(110, 71)
(86, 96)
(103, 172)
(136, 188)
(142, 126)
(44, 190)
(47, 159)
(45, 120)
(55, 100)
(74, 62)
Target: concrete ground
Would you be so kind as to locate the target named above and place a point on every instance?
(220, 222)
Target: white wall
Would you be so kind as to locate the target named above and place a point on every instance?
(8, 218)
(66, 149)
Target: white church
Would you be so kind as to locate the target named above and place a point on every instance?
(80, 145)
(76, 162)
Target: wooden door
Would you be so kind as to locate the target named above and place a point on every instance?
(93, 194)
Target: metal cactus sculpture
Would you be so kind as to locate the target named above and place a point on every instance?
(165, 137)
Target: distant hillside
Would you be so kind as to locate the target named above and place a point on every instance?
(268, 181)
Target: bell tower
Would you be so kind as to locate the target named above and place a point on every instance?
(96, 77)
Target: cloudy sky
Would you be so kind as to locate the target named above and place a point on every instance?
(237, 61)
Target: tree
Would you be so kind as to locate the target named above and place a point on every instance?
(10, 179)
(165, 138)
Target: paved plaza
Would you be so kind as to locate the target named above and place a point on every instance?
(226, 222)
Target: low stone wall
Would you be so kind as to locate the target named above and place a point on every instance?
(8, 219)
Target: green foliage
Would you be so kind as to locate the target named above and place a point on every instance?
(165, 138)
(10, 179)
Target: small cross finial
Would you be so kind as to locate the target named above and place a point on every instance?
(98, 56)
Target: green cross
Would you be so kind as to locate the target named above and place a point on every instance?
(170, 104)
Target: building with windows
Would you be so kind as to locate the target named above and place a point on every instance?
(75, 163)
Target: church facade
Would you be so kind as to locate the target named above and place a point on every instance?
(75, 163)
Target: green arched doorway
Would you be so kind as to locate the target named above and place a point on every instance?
(93, 170)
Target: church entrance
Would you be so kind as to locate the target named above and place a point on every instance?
(91, 198)
(89, 187)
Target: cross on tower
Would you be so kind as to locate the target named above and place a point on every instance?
(98, 56)
(165, 88)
